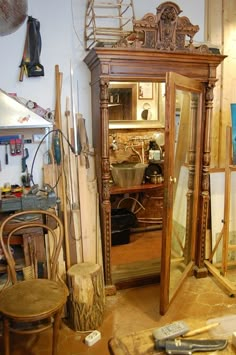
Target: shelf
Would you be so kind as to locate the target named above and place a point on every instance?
(116, 190)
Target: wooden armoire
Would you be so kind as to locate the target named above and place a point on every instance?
(161, 49)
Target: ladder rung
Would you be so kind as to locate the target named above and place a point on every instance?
(107, 40)
(107, 34)
(231, 247)
(229, 263)
(109, 4)
(100, 6)
(111, 17)
(108, 30)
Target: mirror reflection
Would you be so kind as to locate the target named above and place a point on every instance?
(185, 150)
(136, 156)
(137, 101)
(136, 195)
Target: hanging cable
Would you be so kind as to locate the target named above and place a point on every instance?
(73, 23)
(57, 132)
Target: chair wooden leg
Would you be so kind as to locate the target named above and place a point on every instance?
(6, 336)
(56, 326)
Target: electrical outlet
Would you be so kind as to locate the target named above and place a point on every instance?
(92, 338)
(37, 138)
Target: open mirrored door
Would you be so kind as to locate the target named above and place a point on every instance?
(182, 178)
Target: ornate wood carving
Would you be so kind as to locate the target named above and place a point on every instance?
(191, 176)
(106, 215)
(205, 196)
(165, 31)
(106, 205)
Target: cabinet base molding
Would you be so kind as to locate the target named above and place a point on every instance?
(110, 290)
(200, 272)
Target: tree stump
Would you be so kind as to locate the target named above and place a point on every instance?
(86, 301)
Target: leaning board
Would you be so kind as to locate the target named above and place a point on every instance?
(217, 185)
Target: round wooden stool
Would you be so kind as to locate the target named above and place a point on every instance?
(86, 301)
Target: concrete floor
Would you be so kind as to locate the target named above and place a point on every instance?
(134, 310)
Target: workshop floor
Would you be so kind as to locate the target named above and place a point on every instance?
(132, 310)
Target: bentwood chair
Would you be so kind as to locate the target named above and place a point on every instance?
(34, 295)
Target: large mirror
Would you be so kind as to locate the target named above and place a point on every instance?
(136, 135)
(136, 104)
(183, 106)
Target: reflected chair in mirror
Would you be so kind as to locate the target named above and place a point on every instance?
(34, 295)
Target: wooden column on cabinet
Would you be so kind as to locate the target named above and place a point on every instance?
(201, 269)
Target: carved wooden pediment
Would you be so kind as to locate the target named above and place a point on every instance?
(164, 31)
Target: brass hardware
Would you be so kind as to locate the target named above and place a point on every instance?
(173, 179)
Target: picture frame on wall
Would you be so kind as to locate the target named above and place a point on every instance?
(145, 91)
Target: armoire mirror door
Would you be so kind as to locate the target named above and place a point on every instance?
(182, 176)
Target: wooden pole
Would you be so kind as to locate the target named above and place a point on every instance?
(74, 192)
(58, 123)
(77, 147)
(227, 201)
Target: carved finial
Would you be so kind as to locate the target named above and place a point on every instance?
(164, 31)
(166, 25)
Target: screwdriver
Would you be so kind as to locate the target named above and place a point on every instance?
(6, 155)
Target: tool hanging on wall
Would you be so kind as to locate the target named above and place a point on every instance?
(6, 154)
(30, 63)
(26, 177)
(16, 146)
(57, 148)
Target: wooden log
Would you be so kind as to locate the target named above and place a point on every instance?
(86, 302)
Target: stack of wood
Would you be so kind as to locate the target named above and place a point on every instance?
(76, 185)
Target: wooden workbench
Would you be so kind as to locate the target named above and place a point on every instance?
(141, 343)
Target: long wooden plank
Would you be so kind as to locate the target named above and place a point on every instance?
(58, 122)
(227, 201)
(73, 188)
(223, 280)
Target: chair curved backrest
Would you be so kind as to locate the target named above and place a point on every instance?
(42, 292)
(33, 226)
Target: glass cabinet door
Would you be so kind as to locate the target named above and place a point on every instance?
(182, 177)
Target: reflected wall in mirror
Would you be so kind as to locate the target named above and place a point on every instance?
(183, 185)
(122, 101)
(137, 101)
(183, 189)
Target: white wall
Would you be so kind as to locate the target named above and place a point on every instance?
(62, 43)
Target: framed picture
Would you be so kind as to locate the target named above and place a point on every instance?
(145, 91)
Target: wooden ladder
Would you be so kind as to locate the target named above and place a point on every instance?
(107, 22)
